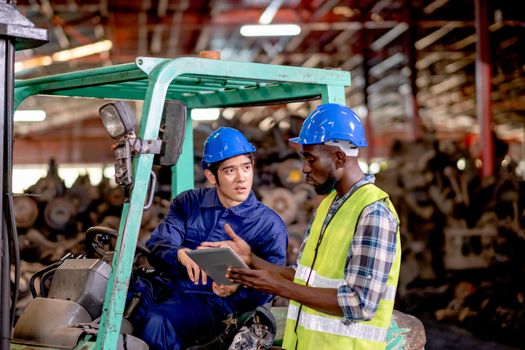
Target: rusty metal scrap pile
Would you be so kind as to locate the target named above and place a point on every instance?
(463, 236)
(52, 219)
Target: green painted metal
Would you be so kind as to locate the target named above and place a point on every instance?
(83, 344)
(113, 290)
(66, 78)
(128, 233)
(182, 172)
(197, 82)
(250, 96)
(396, 339)
(333, 93)
(204, 81)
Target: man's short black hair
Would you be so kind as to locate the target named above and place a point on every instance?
(214, 168)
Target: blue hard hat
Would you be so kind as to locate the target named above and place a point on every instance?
(330, 122)
(225, 143)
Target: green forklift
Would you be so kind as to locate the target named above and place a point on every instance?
(86, 303)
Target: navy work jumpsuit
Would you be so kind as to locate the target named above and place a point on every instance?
(174, 312)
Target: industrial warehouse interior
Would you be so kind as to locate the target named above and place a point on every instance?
(438, 85)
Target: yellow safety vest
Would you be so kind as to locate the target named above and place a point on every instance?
(317, 330)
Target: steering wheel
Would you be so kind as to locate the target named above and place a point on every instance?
(102, 241)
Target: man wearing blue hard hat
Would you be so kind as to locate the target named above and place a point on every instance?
(184, 304)
(343, 288)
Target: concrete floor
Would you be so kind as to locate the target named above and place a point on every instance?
(443, 336)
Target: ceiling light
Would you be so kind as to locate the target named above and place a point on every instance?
(65, 55)
(29, 116)
(205, 113)
(270, 30)
(33, 63)
(83, 51)
(269, 13)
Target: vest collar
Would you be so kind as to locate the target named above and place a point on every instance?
(369, 178)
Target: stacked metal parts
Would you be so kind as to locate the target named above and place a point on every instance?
(461, 233)
(462, 236)
(52, 219)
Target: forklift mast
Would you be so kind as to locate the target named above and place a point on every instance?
(196, 83)
(16, 33)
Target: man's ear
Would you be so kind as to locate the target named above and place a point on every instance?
(340, 159)
(210, 177)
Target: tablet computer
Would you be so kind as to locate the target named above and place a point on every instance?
(215, 262)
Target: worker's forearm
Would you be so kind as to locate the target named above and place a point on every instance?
(261, 264)
(278, 280)
(321, 299)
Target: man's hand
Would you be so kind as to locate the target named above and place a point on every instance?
(238, 244)
(194, 271)
(224, 290)
(262, 280)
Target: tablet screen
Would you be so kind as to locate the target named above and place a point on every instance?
(215, 262)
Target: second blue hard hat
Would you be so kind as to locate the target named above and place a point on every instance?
(330, 122)
(225, 143)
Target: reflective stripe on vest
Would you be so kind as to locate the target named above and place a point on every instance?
(303, 272)
(337, 327)
(310, 329)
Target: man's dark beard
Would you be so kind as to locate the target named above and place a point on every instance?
(326, 187)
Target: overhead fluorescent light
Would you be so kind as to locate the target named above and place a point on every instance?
(65, 55)
(33, 63)
(29, 116)
(205, 113)
(82, 51)
(268, 14)
(270, 30)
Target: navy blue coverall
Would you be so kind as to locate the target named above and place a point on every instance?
(174, 312)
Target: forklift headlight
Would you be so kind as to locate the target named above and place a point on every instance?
(118, 119)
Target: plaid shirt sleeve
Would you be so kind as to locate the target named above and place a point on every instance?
(369, 261)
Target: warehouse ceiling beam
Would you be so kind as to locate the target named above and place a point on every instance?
(389, 36)
(142, 28)
(338, 43)
(411, 55)
(174, 34)
(391, 62)
(365, 52)
(435, 36)
(433, 6)
(460, 63)
(328, 38)
(204, 39)
(471, 39)
(483, 87)
(387, 82)
(448, 84)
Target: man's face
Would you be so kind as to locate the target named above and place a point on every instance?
(235, 179)
(319, 167)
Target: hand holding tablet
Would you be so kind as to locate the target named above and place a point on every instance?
(215, 262)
